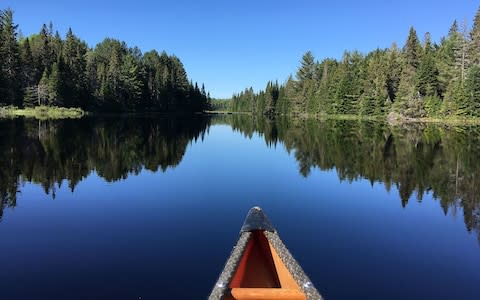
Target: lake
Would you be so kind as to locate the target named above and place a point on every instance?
(150, 207)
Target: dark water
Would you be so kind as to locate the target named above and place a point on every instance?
(130, 208)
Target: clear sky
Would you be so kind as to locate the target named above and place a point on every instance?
(230, 45)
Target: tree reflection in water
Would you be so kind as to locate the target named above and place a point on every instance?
(416, 158)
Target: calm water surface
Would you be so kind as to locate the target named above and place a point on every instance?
(150, 208)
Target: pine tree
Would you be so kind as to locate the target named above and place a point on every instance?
(271, 98)
(2, 62)
(75, 83)
(408, 100)
(113, 87)
(445, 59)
(55, 96)
(305, 83)
(131, 82)
(427, 73)
(473, 91)
(453, 28)
(375, 92)
(30, 96)
(44, 89)
(57, 45)
(10, 65)
(46, 55)
(463, 57)
(350, 83)
(394, 69)
(474, 47)
(28, 64)
(455, 100)
(307, 68)
(412, 49)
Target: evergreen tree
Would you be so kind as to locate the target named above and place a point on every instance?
(131, 83)
(46, 55)
(28, 64)
(427, 73)
(453, 28)
(10, 90)
(375, 92)
(473, 91)
(445, 58)
(475, 40)
(44, 89)
(30, 97)
(271, 98)
(307, 68)
(463, 57)
(328, 86)
(55, 96)
(75, 82)
(408, 100)
(2, 62)
(350, 83)
(394, 70)
(412, 50)
(455, 100)
(305, 85)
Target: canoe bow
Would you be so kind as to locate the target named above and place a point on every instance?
(261, 267)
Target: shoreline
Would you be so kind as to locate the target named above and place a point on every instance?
(394, 121)
(57, 113)
(41, 112)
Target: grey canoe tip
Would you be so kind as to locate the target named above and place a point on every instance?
(257, 220)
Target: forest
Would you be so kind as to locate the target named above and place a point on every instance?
(45, 69)
(423, 79)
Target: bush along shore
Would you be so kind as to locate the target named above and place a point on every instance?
(42, 112)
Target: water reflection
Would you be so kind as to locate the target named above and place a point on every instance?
(416, 158)
(47, 152)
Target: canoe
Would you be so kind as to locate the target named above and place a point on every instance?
(261, 267)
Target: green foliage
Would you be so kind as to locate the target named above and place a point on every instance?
(474, 47)
(44, 69)
(375, 95)
(10, 67)
(455, 102)
(412, 50)
(473, 91)
(30, 97)
(307, 68)
(222, 105)
(433, 106)
(54, 86)
(414, 82)
(427, 73)
(44, 112)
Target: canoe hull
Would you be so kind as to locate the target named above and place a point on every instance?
(261, 267)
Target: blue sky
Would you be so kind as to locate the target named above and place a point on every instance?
(230, 45)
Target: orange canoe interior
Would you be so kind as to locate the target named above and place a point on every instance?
(261, 274)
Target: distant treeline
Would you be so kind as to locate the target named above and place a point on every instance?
(220, 104)
(420, 80)
(44, 69)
